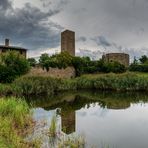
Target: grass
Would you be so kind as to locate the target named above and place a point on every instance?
(53, 127)
(16, 123)
(38, 85)
(64, 141)
(118, 82)
(72, 142)
(5, 89)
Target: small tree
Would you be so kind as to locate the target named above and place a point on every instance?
(44, 61)
(12, 65)
(32, 62)
(143, 59)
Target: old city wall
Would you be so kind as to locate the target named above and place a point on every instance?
(69, 72)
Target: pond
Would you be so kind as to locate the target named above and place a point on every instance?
(106, 119)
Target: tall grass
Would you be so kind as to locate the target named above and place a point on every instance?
(53, 127)
(15, 122)
(35, 85)
(5, 89)
(64, 141)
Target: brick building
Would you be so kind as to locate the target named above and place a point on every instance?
(7, 47)
(68, 42)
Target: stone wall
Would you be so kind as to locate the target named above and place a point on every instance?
(119, 57)
(69, 72)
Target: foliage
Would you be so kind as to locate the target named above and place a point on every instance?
(35, 85)
(140, 67)
(62, 60)
(44, 61)
(12, 65)
(82, 65)
(32, 62)
(144, 59)
(15, 117)
(53, 127)
(6, 89)
(114, 67)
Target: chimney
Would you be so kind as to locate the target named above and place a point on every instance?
(6, 42)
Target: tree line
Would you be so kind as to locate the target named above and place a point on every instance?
(13, 65)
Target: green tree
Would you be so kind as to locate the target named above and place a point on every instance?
(32, 62)
(143, 59)
(12, 65)
(62, 60)
(44, 61)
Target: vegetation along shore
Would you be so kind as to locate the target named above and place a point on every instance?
(98, 75)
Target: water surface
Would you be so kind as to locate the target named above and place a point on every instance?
(117, 120)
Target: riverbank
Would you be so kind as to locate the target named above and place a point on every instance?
(37, 85)
(16, 123)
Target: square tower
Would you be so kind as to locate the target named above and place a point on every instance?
(68, 42)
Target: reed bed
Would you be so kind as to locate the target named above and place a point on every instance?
(36, 85)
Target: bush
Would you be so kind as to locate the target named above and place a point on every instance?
(12, 65)
(139, 67)
(114, 67)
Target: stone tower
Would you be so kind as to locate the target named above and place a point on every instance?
(68, 42)
(122, 58)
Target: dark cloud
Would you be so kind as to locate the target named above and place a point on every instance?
(101, 41)
(29, 26)
(108, 46)
(5, 4)
(82, 39)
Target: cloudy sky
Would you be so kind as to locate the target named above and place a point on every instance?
(101, 26)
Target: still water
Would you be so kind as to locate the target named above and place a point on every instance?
(117, 120)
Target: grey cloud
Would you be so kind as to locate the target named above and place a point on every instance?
(101, 41)
(114, 47)
(5, 4)
(29, 26)
(58, 4)
(82, 39)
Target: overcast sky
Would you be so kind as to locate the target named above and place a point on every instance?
(101, 26)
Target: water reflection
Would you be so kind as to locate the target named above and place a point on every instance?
(80, 99)
(104, 116)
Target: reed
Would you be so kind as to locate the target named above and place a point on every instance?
(16, 121)
(37, 85)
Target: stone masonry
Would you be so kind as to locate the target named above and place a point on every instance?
(122, 58)
(68, 42)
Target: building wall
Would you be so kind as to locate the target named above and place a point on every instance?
(22, 52)
(68, 42)
(69, 72)
(119, 57)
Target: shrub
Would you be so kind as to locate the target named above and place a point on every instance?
(114, 67)
(139, 67)
(12, 65)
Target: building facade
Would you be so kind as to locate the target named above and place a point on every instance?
(68, 42)
(122, 58)
(7, 47)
